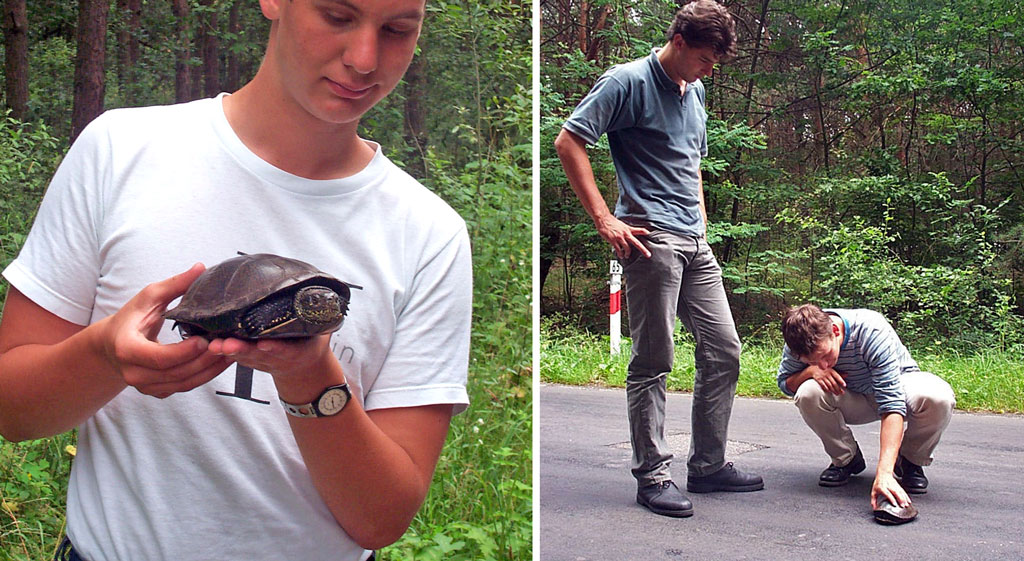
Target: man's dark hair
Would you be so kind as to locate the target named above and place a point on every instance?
(804, 328)
(706, 23)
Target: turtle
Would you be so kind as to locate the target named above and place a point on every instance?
(261, 296)
(889, 514)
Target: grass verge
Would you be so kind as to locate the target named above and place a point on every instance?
(990, 381)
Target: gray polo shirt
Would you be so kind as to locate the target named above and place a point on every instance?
(657, 138)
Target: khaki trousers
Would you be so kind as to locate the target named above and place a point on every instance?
(930, 403)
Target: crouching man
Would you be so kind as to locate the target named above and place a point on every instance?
(849, 367)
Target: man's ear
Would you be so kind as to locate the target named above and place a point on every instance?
(835, 330)
(271, 8)
(678, 42)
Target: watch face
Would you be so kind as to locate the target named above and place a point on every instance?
(332, 401)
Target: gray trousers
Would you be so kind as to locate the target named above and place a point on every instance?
(681, 278)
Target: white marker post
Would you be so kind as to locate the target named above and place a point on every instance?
(615, 306)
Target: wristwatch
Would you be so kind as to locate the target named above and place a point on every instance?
(331, 402)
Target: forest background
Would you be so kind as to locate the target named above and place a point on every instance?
(861, 154)
(460, 122)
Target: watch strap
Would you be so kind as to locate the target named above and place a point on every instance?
(310, 410)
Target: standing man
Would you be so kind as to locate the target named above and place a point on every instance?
(849, 367)
(653, 112)
(194, 450)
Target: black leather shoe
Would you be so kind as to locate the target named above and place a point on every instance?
(665, 499)
(834, 475)
(726, 479)
(911, 476)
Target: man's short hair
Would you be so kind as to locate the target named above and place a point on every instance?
(804, 328)
(706, 23)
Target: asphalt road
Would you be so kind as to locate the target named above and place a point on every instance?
(974, 508)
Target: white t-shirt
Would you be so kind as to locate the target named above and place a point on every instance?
(215, 473)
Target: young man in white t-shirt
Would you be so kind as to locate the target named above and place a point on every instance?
(215, 468)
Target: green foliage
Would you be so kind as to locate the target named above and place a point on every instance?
(33, 482)
(480, 504)
(983, 380)
(859, 153)
(954, 292)
(28, 155)
(487, 508)
(476, 153)
(51, 70)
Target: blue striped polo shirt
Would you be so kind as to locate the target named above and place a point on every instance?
(657, 137)
(872, 357)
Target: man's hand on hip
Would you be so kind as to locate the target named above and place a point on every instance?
(622, 236)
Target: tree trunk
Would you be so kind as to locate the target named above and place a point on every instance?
(819, 85)
(90, 62)
(545, 268)
(211, 56)
(182, 74)
(128, 45)
(581, 32)
(196, 72)
(415, 81)
(234, 74)
(595, 34)
(16, 57)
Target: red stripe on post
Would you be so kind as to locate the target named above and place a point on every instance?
(614, 303)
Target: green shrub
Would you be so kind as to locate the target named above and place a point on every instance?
(33, 485)
(28, 155)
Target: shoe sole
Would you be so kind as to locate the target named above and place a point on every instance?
(673, 513)
(833, 483)
(697, 488)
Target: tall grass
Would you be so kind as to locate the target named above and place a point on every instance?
(985, 381)
(33, 485)
(480, 505)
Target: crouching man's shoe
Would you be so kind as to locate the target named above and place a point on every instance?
(911, 476)
(834, 475)
(665, 499)
(726, 479)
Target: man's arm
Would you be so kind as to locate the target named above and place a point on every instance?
(829, 380)
(885, 484)
(572, 151)
(794, 381)
(372, 469)
(55, 374)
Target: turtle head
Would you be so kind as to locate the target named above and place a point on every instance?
(318, 305)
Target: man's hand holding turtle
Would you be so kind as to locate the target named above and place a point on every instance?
(130, 343)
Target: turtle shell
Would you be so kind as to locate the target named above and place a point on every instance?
(888, 513)
(218, 302)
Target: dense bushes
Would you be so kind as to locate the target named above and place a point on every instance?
(28, 156)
